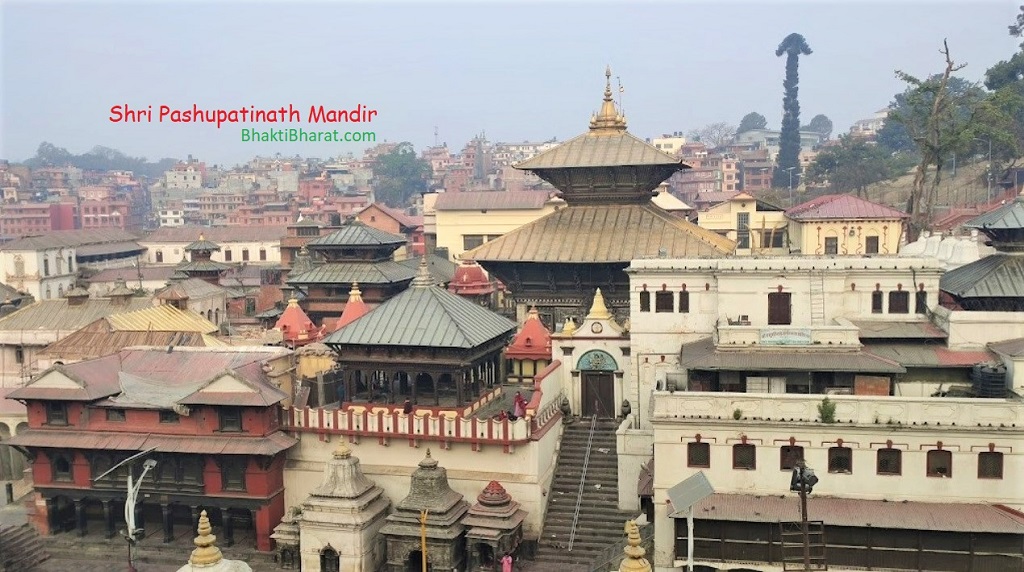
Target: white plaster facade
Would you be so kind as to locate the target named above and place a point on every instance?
(45, 273)
(266, 251)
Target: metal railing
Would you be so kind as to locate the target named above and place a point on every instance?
(583, 478)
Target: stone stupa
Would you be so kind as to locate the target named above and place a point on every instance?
(207, 557)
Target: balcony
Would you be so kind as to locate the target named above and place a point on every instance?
(740, 334)
(963, 413)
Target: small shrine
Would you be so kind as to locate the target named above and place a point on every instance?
(200, 263)
(433, 511)
(296, 327)
(206, 556)
(342, 519)
(355, 308)
(286, 539)
(471, 282)
(494, 527)
(530, 350)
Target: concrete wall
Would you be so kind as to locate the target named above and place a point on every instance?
(635, 447)
(174, 251)
(452, 225)
(973, 330)
(812, 234)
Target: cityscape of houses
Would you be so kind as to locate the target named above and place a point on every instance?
(553, 340)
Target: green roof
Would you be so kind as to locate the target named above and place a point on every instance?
(600, 150)
(202, 244)
(384, 272)
(424, 316)
(1009, 217)
(356, 234)
(202, 266)
(997, 275)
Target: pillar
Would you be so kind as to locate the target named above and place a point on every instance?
(437, 397)
(195, 518)
(412, 387)
(261, 524)
(168, 522)
(80, 517)
(53, 522)
(108, 517)
(458, 379)
(229, 526)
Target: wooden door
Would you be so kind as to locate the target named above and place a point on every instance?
(780, 309)
(598, 395)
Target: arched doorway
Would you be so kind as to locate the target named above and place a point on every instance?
(330, 561)
(483, 556)
(597, 383)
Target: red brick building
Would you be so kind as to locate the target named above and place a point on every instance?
(24, 218)
(210, 415)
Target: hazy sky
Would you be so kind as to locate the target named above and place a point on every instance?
(519, 71)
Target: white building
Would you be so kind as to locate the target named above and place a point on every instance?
(172, 217)
(253, 244)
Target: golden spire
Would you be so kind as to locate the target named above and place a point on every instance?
(598, 311)
(569, 328)
(355, 294)
(342, 452)
(206, 553)
(634, 560)
(608, 120)
(293, 303)
(533, 315)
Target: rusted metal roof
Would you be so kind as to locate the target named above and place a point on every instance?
(998, 275)
(885, 330)
(219, 234)
(1008, 216)
(491, 200)
(240, 444)
(843, 207)
(85, 345)
(593, 149)
(162, 318)
(604, 233)
(907, 515)
(703, 355)
(1012, 348)
(928, 355)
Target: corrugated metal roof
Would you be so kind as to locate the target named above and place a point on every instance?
(929, 355)
(491, 200)
(165, 318)
(200, 445)
(602, 233)
(194, 288)
(906, 515)
(59, 315)
(202, 266)
(424, 316)
(106, 248)
(202, 245)
(219, 234)
(1008, 216)
(148, 273)
(600, 149)
(1012, 348)
(885, 330)
(384, 272)
(998, 275)
(442, 269)
(10, 406)
(356, 233)
(68, 238)
(86, 345)
(703, 355)
(842, 207)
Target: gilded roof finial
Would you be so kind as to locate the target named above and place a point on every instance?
(634, 560)
(570, 327)
(355, 294)
(598, 310)
(206, 552)
(608, 120)
(342, 452)
(423, 278)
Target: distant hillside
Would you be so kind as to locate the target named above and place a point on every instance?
(98, 159)
(968, 187)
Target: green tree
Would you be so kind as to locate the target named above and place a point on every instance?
(820, 124)
(852, 166)
(98, 159)
(793, 46)
(398, 175)
(751, 121)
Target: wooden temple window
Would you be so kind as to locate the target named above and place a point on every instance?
(889, 462)
(645, 301)
(744, 457)
(663, 301)
(840, 460)
(899, 302)
(56, 413)
(230, 418)
(698, 455)
(61, 466)
(871, 245)
(684, 302)
(877, 302)
(990, 465)
(940, 463)
(790, 456)
(115, 415)
(233, 474)
(168, 416)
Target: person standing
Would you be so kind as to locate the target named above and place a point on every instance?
(506, 563)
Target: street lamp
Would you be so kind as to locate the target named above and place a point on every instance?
(790, 171)
(803, 481)
(989, 172)
(131, 497)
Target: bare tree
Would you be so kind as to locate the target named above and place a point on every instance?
(714, 134)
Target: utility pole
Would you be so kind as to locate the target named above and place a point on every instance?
(803, 482)
(131, 498)
(790, 171)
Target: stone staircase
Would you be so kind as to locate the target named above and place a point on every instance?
(600, 521)
(21, 549)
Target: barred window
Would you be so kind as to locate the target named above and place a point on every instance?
(698, 455)
(790, 456)
(645, 301)
(840, 460)
(940, 463)
(663, 301)
(744, 457)
(990, 465)
(889, 462)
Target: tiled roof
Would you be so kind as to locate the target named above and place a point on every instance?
(842, 207)
(442, 269)
(66, 238)
(878, 514)
(599, 150)
(162, 318)
(1008, 216)
(424, 316)
(995, 276)
(296, 326)
(59, 315)
(356, 233)
(491, 200)
(384, 272)
(355, 308)
(603, 233)
(703, 355)
(399, 215)
(218, 234)
(101, 377)
(119, 441)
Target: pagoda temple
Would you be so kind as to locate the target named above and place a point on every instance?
(530, 350)
(994, 283)
(353, 253)
(494, 527)
(296, 327)
(608, 178)
(471, 282)
(199, 264)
